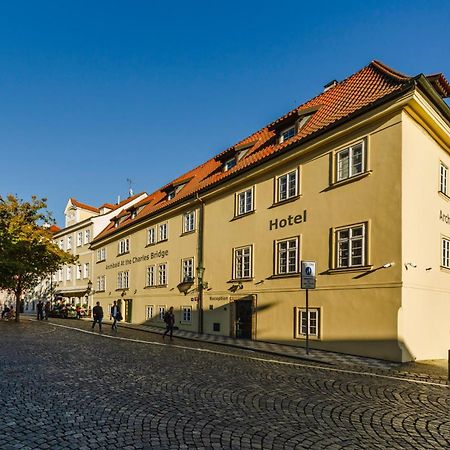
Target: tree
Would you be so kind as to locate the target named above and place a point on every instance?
(27, 251)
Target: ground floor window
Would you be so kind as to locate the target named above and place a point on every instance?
(161, 312)
(186, 314)
(148, 312)
(308, 322)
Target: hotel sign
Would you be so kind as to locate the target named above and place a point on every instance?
(136, 259)
(288, 221)
(444, 217)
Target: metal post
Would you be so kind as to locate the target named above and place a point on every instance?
(307, 322)
(448, 373)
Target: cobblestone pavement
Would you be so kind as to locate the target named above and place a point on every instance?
(63, 388)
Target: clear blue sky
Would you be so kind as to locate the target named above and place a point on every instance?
(95, 92)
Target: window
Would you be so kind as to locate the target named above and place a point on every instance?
(60, 275)
(133, 214)
(242, 262)
(186, 314)
(287, 186)
(161, 312)
(79, 239)
(187, 269)
(87, 236)
(79, 272)
(124, 246)
(101, 283)
(101, 254)
(445, 262)
(86, 270)
(350, 161)
(443, 179)
(171, 194)
(350, 246)
(287, 256)
(244, 202)
(148, 312)
(151, 236)
(229, 164)
(151, 279)
(123, 280)
(287, 133)
(189, 222)
(69, 273)
(162, 274)
(163, 232)
(308, 323)
(69, 242)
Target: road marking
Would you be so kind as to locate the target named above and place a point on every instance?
(253, 358)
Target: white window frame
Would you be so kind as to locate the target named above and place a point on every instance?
(163, 232)
(162, 274)
(151, 236)
(288, 133)
(69, 242)
(445, 252)
(161, 312)
(86, 270)
(61, 244)
(101, 283)
(349, 169)
(101, 254)
(150, 275)
(69, 273)
(353, 244)
(149, 311)
(60, 275)
(87, 236)
(187, 269)
(79, 272)
(79, 238)
(245, 201)
(243, 262)
(292, 253)
(186, 314)
(229, 164)
(123, 279)
(189, 222)
(443, 178)
(312, 322)
(124, 246)
(291, 190)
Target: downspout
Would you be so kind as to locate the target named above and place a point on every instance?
(200, 267)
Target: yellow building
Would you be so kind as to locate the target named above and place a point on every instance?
(355, 179)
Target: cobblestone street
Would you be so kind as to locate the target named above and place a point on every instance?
(73, 389)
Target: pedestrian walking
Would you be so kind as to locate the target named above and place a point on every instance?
(78, 311)
(40, 310)
(115, 315)
(169, 318)
(47, 310)
(97, 313)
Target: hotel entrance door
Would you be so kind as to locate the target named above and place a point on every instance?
(128, 310)
(244, 319)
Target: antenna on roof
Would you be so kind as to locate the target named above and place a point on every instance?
(130, 191)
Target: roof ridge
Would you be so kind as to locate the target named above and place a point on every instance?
(398, 76)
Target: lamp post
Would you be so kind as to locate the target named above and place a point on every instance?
(88, 291)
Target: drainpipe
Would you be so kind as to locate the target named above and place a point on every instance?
(200, 267)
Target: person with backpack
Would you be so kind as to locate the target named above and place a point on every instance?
(169, 318)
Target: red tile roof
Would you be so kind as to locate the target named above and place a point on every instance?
(373, 84)
(83, 205)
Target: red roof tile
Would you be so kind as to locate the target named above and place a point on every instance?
(83, 205)
(351, 96)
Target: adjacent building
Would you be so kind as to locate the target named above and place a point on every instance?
(355, 179)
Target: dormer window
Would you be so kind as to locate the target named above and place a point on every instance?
(133, 214)
(287, 133)
(229, 164)
(171, 194)
(116, 223)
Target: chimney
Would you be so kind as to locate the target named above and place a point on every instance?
(118, 199)
(330, 85)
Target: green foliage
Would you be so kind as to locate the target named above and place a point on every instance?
(27, 251)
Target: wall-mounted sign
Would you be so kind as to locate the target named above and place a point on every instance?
(444, 217)
(220, 298)
(136, 259)
(290, 220)
(308, 280)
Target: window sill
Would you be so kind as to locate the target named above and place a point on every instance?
(185, 233)
(100, 260)
(240, 216)
(444, 195)
(358, 177)
(240, 280)
(284, 202)
(283, 275)
(302, 337)
(158, 286)
(348, 269)
(124, 253)
(122, 289)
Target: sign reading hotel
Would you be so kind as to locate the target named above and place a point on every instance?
(288, 221)
(444, 217)
(136, 259)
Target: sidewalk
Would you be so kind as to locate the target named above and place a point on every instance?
(428, 370)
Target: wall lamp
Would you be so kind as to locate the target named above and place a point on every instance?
(387, 265)
(410, 264)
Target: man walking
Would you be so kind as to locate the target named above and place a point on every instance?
(115, 315)
(40, 308)
(169, 318)
(97, 313)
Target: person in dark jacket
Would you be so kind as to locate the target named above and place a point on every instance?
(169, 318)
(40, 310)
(97, 313)
(115, 315)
